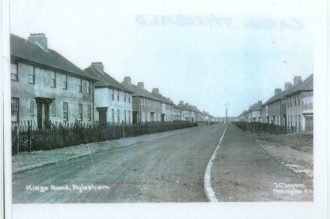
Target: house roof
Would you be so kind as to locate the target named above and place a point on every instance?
(255, 107)
(105, 80)
(21, 48)
(161, 98)
(138, 91)
(306, 85)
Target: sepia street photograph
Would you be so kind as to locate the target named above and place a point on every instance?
(124, 103)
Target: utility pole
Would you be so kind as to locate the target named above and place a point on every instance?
(226, 119)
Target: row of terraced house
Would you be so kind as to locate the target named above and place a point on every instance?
(47, 88)
(291, 107)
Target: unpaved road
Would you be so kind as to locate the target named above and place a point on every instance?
(169, 169)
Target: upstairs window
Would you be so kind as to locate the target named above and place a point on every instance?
(14, 72)
(88, 89)
(129, 98)
(80, 86)
(32, 76)
(65, 82)
(53, 79)
(118, 95)
(125, 97)
(112, 94)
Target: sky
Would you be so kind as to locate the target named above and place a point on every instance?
(210, 54)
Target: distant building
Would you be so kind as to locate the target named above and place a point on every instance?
(112, 100)
(166, 106)
(254, 112)
(276, 107)
(299, 105)
(146, 107)
(176, 113)
(47, 88)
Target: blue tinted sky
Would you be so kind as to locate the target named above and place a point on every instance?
(207, 54)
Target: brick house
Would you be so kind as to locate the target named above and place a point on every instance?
(254, 112)
(299, 105)
(146, 107)
(112, 100)
(46, 88)
(166, 106)
(176, 113)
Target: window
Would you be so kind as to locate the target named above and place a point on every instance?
(65, 82)
(88, 87)
(80, 86)
(299, 123)
(80, 111)
(298, 100)
(65, 112)
(53, 80)
(53, 109)
(32, 108)
(124, 96)
(14, 109)
(125, 115)
(129, 98)
(89, 112)
(129, 116)
(32, 76)
(118, 95)
(14, 72)
(295, 101)
(118, 115)
(112, 95)
(113, 115)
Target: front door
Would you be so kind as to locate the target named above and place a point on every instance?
(39, 114)
(135, 117)
(102, 115)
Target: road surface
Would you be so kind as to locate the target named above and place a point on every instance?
(169, 169)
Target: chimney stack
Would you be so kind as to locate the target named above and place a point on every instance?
(297, 80)
(127, 80)
(278, 91)
(181, 102)
(155, 90)
(287, 85)
(98, 65)
(140, 84)
(39, 39)
(259, 102)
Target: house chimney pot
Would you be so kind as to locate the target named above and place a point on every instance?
(287, 85)
(128, 80)
(278, 91)
(39, 39)
(155, 90)
(98, 65)
(140, 84)
(297, 80)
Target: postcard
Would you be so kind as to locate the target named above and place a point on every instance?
(201, 107)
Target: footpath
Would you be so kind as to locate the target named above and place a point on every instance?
(29, 160)
(244, 171)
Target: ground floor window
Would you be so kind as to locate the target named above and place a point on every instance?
(89, 112)
(80, 111)
(65, 112)
(113, 115)
(14, 109)
(32, 106)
